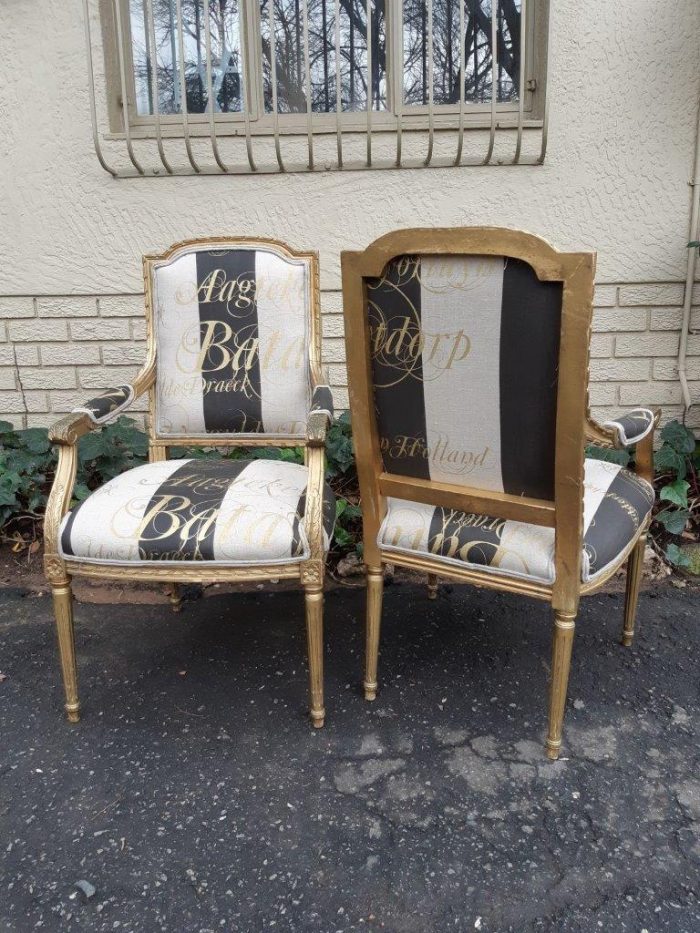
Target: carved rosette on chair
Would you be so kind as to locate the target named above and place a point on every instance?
(468, 371)
(233, 360)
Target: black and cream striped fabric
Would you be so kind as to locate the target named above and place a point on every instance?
(322, 401)
(616, 503)
(233, 512)
(632, 427)
(464, 366)
(108, 405)
(232, 330)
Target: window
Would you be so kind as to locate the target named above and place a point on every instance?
(231, 78)
(199, 56)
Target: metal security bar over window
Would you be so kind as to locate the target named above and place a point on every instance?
(242, 86)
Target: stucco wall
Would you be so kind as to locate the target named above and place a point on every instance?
(624, 85)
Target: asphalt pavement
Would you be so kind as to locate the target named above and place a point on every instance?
(195, 795)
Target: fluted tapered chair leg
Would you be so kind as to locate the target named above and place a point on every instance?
(63, 609)
(314, 637)
(375, 591)
(635, 563)
(432, 586)
(564, 624)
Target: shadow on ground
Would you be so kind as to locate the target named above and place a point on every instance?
(195, 796)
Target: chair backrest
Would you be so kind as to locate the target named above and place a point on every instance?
(236, 333)
(464, 353)
(467, 360)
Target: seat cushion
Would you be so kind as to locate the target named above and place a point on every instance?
(616, 503)
(233, 512)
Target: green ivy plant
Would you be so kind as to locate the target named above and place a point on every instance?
(28, 461)
(342, 476)
(26, 467)
(27, 464)
(105, 454)
(677, 465)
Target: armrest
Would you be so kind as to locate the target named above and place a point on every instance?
(102, 408)
(320, 416)
(322, 400)
(65, 433)
(316, 431)
(608, 434)
(67, 430)
(94, 413)
(108, 405)
(632, 427)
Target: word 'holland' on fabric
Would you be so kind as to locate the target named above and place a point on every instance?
(461, 461)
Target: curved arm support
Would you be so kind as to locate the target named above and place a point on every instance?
(644, 456)
(69, 429)
(312, 570)
(598, 434)
(65, 434)
(60, 496)
(317, 429)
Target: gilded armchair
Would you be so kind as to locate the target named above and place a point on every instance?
(233, 360)
(468, 373)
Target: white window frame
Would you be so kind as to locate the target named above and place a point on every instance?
(260, 123)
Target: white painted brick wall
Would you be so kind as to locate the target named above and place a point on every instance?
(58, 351)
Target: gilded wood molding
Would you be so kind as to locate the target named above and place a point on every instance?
(191, 572)
(69, 429)
(496, 504)
(489, 581)
(548, 263)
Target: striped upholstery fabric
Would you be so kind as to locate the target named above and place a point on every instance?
(232, 338)
(632, 427)
(464, 365)
(322, 401)
(616, 503)
(229, 511)
(108, 405)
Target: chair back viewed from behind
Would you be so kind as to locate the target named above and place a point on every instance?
(464, 352)
(468, 362)
(234, 325)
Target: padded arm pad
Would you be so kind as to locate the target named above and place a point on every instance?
(631, 427)
(108, 405)
(322, 400)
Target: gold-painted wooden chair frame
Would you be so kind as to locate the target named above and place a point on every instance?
(574, 427)
(67, 431)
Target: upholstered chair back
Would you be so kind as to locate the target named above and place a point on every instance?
(235, 335)
(463, 357)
